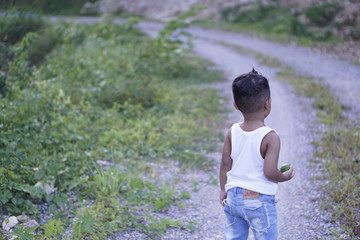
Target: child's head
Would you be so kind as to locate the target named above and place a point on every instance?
(251, 91)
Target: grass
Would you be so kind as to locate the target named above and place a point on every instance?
(338, 149)
(104, 92)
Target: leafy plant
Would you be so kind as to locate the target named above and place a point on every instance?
(15, 25)
(44, 44)
(25, 233)
(322, 14)
(53, 229)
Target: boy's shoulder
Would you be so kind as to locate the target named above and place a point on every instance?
(272, 138)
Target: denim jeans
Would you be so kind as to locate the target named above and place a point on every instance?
(258, 214)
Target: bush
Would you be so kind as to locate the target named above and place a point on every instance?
(323, 14)
(14, 26)
(283, 22)
(44, 44)
(64, 7)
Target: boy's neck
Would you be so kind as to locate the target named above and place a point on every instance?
(253, 121)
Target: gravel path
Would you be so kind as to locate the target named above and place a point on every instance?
(341, 76)
(300, 216)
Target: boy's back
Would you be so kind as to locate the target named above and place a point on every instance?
(246, 146)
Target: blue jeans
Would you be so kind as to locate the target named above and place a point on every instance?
(258, 214)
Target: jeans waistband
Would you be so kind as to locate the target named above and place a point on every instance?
(239, 190)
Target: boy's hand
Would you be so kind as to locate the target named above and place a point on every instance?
(290, 173)
(223, 196)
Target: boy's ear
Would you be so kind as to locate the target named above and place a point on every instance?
(267, 104)
(235, 106)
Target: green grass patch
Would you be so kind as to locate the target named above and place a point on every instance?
(340, 151)
(103, 92)
(328, 108)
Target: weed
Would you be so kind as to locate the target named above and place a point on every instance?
(340, 149)
(44, 44)
(328, 108)
(322, 14)
(53, 229)
(213, 180)
(14, 26)
(185, 195)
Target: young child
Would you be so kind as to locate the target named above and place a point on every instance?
(249, 167)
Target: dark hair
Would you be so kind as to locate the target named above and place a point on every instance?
(250, 91)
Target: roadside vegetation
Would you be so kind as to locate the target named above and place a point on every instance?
(337, 149)
(64, 7)
(308, 26)
(86, 114)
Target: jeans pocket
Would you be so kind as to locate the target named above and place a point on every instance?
(229, 217)
(257, 218)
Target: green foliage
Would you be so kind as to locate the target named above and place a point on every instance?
(97, 220)
(159, 225)
(340, 149)
(356, 32)
(105, 92)
(44, 44)
(322, 14)
(14, 26)
(279, 21)
(328, 108)
(165, 198)
(64, 7)
(53, 229)
(25, 233)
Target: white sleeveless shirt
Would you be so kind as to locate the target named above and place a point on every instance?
(248, 165)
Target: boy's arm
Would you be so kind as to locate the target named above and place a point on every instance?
(271, 171)
(226, 164)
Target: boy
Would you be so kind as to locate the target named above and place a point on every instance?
(248, 171)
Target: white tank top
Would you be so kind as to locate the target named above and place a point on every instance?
(248, 165)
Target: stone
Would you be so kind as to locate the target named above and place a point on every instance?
(10, 223)
(23, 218)
(31, 223)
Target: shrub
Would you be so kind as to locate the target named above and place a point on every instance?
(323, 14)
(44, 44)
(14, 26)
(282, 22)
(64, 7)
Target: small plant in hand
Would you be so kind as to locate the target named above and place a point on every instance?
(285, 167)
